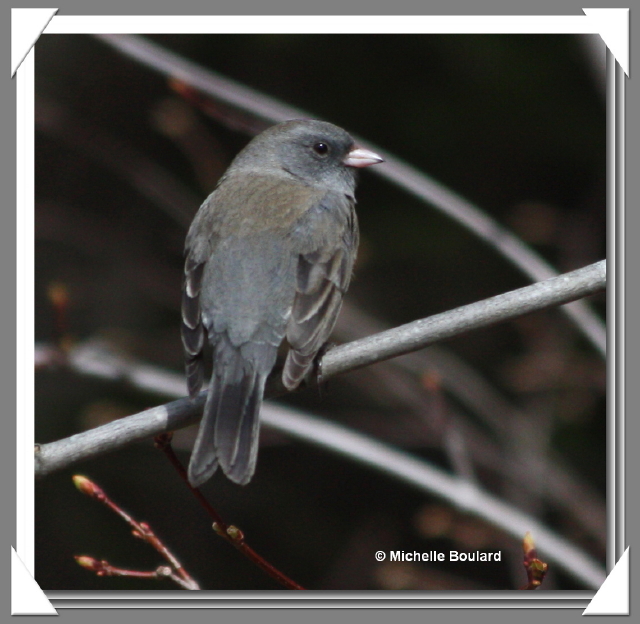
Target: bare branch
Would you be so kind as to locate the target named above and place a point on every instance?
(385, 345)
(175, 570)
(394, 169)
(420, 334)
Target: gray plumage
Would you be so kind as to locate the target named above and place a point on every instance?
(269, 256)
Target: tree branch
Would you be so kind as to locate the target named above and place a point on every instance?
(359, 353)
(419, 334)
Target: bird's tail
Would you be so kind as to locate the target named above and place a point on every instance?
(230, 425)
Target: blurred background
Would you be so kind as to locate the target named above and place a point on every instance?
(515, 124)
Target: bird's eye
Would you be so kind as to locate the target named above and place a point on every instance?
(321, 149)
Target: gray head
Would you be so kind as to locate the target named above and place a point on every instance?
(315, 151)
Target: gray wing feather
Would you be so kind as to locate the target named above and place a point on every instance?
(323, 277)
(192, 330)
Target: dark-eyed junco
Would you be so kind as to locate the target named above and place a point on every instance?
(269, 256)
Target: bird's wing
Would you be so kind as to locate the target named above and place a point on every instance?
(192, 329)
(323, 276)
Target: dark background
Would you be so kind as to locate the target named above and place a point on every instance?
(513, 123)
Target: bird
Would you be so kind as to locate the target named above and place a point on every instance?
(268, 258)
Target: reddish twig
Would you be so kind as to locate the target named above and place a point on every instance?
(58, 295)
(536, 568)
(174, 571)
(104, 568)
(229, 532)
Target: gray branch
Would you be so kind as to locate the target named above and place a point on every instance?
(419, 334)
(356, 354)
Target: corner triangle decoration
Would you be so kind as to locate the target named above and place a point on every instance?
(26, 27)
(613, 26)
(26, 596)
(613, 596)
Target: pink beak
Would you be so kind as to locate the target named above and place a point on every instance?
(360, 157)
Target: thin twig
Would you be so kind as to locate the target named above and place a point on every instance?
(141, 530)
(104, 568)
(230, 533)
